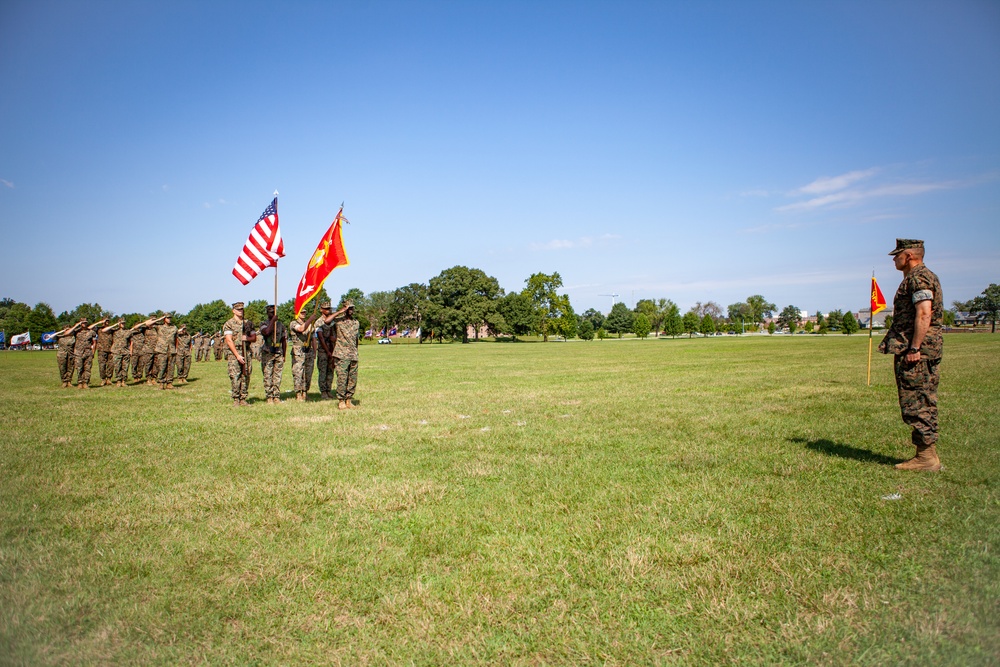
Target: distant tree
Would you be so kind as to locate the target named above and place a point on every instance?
(549, 305)
(707, 325)
(355, 296)
(566, 323)
(948, 318)
(205, 317)
(596, 318)
(809, 327)
(789, 317)
(602, 333)
(377, 306)
(619, 319)
(964, 306)
(585, 330)
(760, 308)
(989, 302)
(819, 320)
(835, 319)
(254, 311)
(691, 322)
(771, 328)
(640, 325)
(39, 320)
(673, 323)
(461, 297)
(408, 305)
(739, 314)
(14, 318)
(92, 311)
(648, 308)
(518, 314)
(850, 324)
(888, 321)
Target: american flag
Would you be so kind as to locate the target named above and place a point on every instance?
(263, 248)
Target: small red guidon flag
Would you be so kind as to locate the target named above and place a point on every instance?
(878, 301)
(329, 255)
(263, 248)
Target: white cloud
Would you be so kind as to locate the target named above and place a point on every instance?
(7, 183)
(565, 244)
(834, 183)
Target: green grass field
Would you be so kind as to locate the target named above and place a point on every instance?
(610, 502)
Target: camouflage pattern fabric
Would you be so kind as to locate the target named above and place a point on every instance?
(299, 368)
(346, 346)
(183, 355)
(65, 359)
(310, 366)
(104, 342)
(347, 378)
(324, 366)
(272, 364)
(83, 355)
(917, 383)
(239, 374)
(165, 362)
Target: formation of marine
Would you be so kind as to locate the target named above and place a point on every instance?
(156, 352)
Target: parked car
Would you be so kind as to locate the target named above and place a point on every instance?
(384, 341)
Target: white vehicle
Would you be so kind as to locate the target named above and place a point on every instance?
(384, 341)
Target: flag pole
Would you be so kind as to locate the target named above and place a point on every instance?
(274, 333)
(871, 326)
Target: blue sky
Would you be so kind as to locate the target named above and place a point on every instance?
(687, 150)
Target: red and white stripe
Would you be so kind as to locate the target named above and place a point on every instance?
(262, 249)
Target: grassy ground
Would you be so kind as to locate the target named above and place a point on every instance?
(612, 502)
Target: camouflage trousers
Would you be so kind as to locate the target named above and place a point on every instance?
(347, 378)
(137, 366)
(165, 367)
(310, 365)
(67, 363)
(324, 365)
(146, 365)
(83, 363)
(917, 385)
(104, 365)
(299, 356)
(271, 366)
(239, 378)
(119, 363)
(183, 366)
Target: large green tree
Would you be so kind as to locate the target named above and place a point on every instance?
(989, 303)
(550, 307)
(691, 323)
(789, 318)
(207, 318)
(459, 298)
(409, 303)
(641, 326)
(518, 314)
(850, 323)
(41, 319)
(673, 323)
(760, 308)
(619, 319)
(14, 318)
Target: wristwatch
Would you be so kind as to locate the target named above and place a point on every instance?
(913, 349)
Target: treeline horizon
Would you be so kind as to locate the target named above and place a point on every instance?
(461, 299)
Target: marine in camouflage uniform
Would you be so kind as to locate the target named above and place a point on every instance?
(310, 360)
(916, 342)
(345, 353)
(302, 340)
(183, 354)
(104, 369)
(83, 352)
(166, 352)
(148, 352)
(273, 346)
(236, 356)
(326, 336)
(66, 339)
(217, 345)
(119, 352)
(137, 345)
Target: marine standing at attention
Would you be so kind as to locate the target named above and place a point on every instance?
(345, 353)
(236, 355)
(66, 340)
(302, 337)
(916, 342)
(166, 352)
(326, 335)
(274, 345)
(83, 352)
(104, 369)
(183, 354)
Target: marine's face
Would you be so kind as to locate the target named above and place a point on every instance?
(900, 259)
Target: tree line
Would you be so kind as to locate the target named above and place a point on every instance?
(461, 299)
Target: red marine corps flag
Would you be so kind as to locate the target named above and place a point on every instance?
(878, 301)
(329, 255)
(263, 248)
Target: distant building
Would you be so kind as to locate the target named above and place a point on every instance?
(864, 316)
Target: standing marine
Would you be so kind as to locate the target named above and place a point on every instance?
(66, 341)
(302, 340)
(345, 353)
(166, 352)
(103, 347)
(916, 343)
(236, 356)
(183, 354)
(273, 340)
(326, 336)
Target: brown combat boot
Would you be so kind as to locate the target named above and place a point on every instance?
(269, 400)
(349, 403)
(236, 402)
(341, 405)
(301, 396)
(926, 459)
(243, 403)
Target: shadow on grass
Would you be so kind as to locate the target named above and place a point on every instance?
(831, 448)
